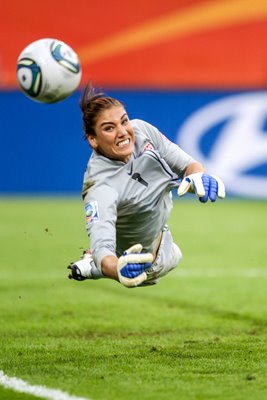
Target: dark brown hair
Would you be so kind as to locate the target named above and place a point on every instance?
(92, 103)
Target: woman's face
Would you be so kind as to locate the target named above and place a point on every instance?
(114, 135)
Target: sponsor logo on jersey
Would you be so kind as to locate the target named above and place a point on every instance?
(91, 212)
(229, 137)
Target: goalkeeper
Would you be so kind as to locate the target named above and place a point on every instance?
(127, 194)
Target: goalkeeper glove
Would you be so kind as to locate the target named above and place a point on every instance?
(205, 186)
(132, 265)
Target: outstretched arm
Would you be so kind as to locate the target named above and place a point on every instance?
(130, 268)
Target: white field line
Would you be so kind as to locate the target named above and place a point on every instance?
(21, 386)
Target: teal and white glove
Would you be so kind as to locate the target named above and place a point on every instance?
(132, 265)
(205, 186)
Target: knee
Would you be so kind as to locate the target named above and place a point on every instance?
(176, 254)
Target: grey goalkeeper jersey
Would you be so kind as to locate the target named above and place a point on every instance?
(130, 203)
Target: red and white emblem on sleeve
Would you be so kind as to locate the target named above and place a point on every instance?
(148, 146)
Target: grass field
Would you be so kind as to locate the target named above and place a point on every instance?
(201, 333)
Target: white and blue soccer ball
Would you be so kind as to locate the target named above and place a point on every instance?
(48, 70)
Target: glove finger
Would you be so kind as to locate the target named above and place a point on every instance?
(138, 267)
(133, 282)
(206, 186)
(213, 189)
(199, 181)
(204, 199)
(221, 188)
(137, 258)
(136, 248)
(130, 274)
(184, 186)
(133, 270)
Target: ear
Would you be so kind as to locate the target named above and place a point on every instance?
(92, 141)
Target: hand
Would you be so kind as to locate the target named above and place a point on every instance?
(205, 186)
(132, 265)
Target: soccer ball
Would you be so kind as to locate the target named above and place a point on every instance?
(48, 70)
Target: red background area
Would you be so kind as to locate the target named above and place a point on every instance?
(228, 56)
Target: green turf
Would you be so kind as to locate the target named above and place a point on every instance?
(201, 333)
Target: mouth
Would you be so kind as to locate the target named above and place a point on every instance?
(123, 143)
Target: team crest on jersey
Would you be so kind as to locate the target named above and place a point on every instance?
(91, 212)
(148, 146)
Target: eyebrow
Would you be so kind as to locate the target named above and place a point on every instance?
(110, 122)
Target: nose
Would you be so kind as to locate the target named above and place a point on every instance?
(121, 131)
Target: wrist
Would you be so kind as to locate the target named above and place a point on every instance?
(109, 267)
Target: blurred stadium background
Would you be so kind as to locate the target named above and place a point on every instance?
(197, 69)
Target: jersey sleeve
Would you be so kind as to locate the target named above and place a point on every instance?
(177, 159)
(100, 204)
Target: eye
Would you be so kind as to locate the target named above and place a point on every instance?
(125, 121)
(108, 128)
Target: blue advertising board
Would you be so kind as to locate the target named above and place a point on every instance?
(43, 150)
